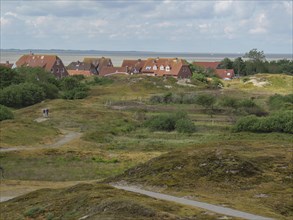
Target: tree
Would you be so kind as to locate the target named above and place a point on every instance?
(207, 101)
(239, 66)
(255, 55)
(226, 63)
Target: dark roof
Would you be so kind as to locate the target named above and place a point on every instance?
(99, 63)
(79, 66)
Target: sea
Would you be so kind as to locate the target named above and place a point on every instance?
(117, 57)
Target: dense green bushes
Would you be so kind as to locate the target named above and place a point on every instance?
(73, 89)
(5, 113)
(21, 95)
(278, 122)
(170, 122)
(277, 102)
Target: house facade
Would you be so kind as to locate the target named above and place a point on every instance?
(81, 68)
(50, 63)
(172, 67)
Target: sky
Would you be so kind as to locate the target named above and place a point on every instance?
(148, 25)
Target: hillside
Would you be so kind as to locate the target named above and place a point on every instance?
(248, 171)
(95, 201)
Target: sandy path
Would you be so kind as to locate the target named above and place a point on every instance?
(203, 205)
(69, 136)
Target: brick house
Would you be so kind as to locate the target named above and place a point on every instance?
(111, 70)
(175, 67)
(50, 63)
(225, 74)
(81, 68)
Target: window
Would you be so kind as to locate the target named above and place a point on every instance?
(162, 67)
(58, 62)
(168, 68)
(155, 67)
(228, 74)
(57, 70)
(147, 67)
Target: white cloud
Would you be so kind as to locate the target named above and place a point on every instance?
(223, 7)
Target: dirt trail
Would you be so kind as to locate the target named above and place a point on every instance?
(203, 205)
(69, 136)
(14, 188)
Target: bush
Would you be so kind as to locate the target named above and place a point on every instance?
(278, 122)
(5, 113)
(216, 83)
(73, 89)
(277, 102)
(102, 80)
(184, 126)
(8, 77)
(21, 95)
(170, 122)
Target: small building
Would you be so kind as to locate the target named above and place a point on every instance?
(226, 74)
(173, 67)
(81, 68)
(99, 63)
(111, 70)
(50, 63)
(134, 66)
(7, 64)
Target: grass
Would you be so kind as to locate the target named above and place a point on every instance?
(114, 140)
(97, 201)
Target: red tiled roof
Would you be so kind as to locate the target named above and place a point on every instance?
(225, 73)
(207, 65)
(107, 70)
(44, 61)
(163, 66)
(134, 65)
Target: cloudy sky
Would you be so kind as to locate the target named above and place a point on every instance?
(148, 25)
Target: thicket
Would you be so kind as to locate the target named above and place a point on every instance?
(278, 102)
(170, 122)
(5, 113)
(26, 86)
(281, 121)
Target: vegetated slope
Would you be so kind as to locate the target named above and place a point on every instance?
(243, 179)
(94, 201)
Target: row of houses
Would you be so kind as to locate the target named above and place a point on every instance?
(165, 67)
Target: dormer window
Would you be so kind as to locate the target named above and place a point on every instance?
(228, 74)
(162, 67)
(168, 68)
(155, 67)
(148, 67)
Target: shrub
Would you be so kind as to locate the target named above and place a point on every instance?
(215, 83)
(102, 80)
(278, 122)
(200, 77)
(34, 212)
(21, 95)
(184, 126)
(277, 102)
(8, 77)
(51, 90)
(161, 123)
(5, 113)
(170, 122)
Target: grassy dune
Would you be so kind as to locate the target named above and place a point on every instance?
(114, 142)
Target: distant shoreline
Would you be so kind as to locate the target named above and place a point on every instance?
(68, 56)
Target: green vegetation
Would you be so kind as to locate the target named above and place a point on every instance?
(5, 113)
(247, 170)
(96, 201)
(277, 122)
